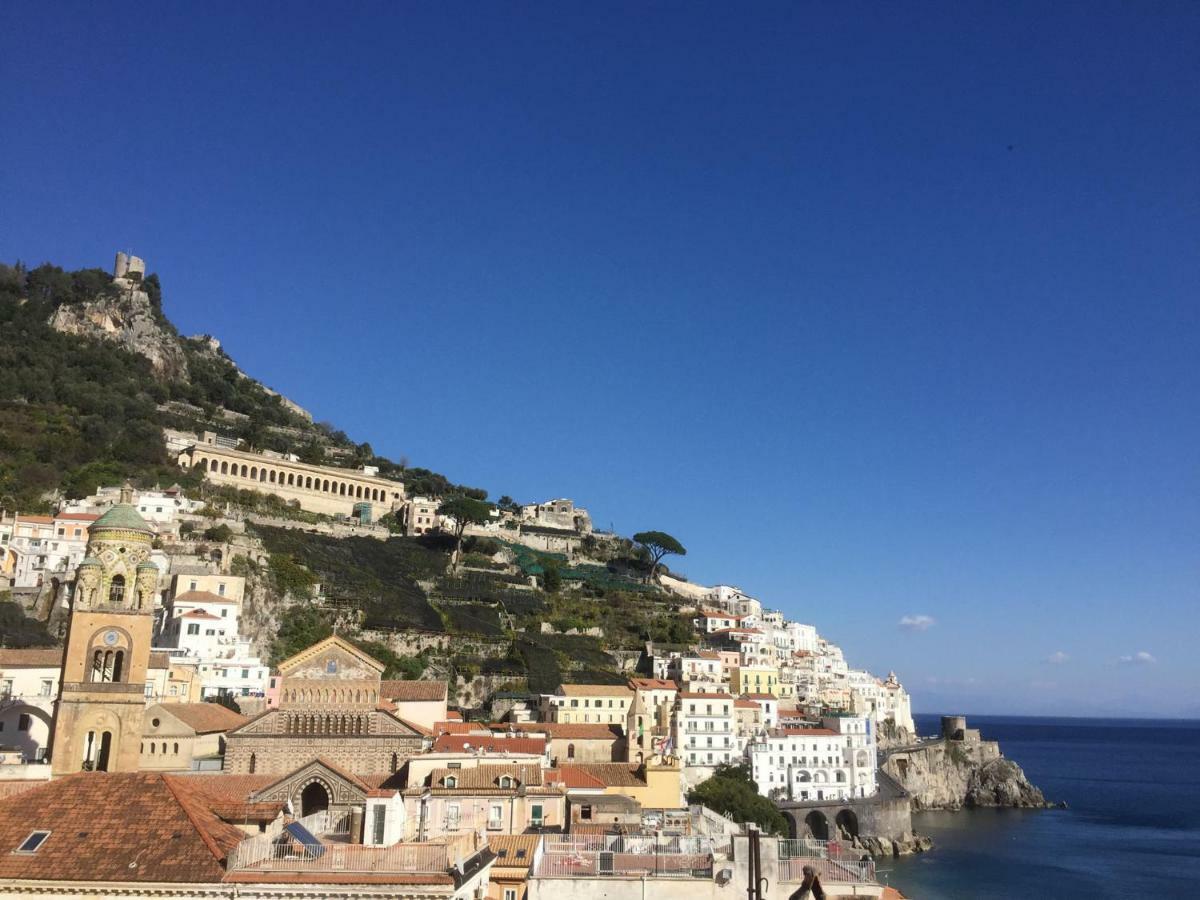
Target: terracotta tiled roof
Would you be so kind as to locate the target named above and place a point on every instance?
(200, 614)
(36, 520)
(409, 691)
(760, 697)
(460, 728)
(206, 718)
(652, 684)
(32, 659)
(709, 654)
(596, 774)
(513, 851)
(459, 743)
(226, 795)
(203, 597)
(78, 517)
(700, 695)
(806, 732)
(746, 704)
(486, 778)
(159, 659)
(575, 731)
(594, 690)
(116, 827)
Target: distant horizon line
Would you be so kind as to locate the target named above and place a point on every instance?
(969, 716)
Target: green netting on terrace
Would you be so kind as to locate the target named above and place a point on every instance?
(601, 577)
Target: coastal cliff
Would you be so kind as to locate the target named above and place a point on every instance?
(960, 770)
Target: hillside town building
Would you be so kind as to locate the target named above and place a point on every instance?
(329, 490)
(833, 762)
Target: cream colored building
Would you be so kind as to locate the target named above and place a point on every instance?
(321, 489)
(180, 737)
(589, 704)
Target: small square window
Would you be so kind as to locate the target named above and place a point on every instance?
(31, 843)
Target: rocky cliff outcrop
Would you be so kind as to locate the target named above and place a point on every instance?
(126, 316)
(1002, 782)
(947, 774)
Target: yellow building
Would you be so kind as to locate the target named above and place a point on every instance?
(754, 680)
(589, 704)
(101, 697)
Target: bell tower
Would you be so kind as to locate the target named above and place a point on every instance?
(101, 699)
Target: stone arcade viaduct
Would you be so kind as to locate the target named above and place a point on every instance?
(320, 489)
(886, 815)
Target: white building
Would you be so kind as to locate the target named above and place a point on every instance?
(880, 700)
(42, 548)
(834, 762)
(704, 732)
(728, 597)
(28, 689)
(200, 626)
(157, 507)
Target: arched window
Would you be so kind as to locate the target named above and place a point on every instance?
(152, 748)
(570, 751)
(326, 486)
(97, 673)
(175, 748)
(116, 589)
(262, 476)
(118, 668)
(506, 781)
(253, 763)
(164, 748)
(224, 468)
(450, 781)
(254, 472)
(245, 472)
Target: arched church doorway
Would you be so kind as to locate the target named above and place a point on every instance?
(818, 825)
(847, 824)
(314, 798)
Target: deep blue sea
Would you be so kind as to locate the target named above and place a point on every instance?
(1132, 829)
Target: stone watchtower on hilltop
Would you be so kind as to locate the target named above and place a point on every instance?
(101, 699)
(131, 268)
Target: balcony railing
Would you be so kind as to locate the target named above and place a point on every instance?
(600, 856)
(832, 860)
(283, 853)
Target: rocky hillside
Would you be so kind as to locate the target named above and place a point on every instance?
(122, 312)
(91, 371)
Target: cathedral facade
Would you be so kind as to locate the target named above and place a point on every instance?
(330, 708)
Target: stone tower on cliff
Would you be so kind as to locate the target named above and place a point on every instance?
(101, 699)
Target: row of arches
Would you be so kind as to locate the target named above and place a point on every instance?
(817, 825)
(265, 475)
(340, 696)
(820, 777)
(108, 666)
(311, 724)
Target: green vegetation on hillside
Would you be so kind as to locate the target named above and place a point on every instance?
(78, 412)
(18, 629)
(731, 791)
(378, 577)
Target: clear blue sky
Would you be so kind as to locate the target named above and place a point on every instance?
(884, 310)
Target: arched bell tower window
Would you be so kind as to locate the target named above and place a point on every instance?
(116, 590)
